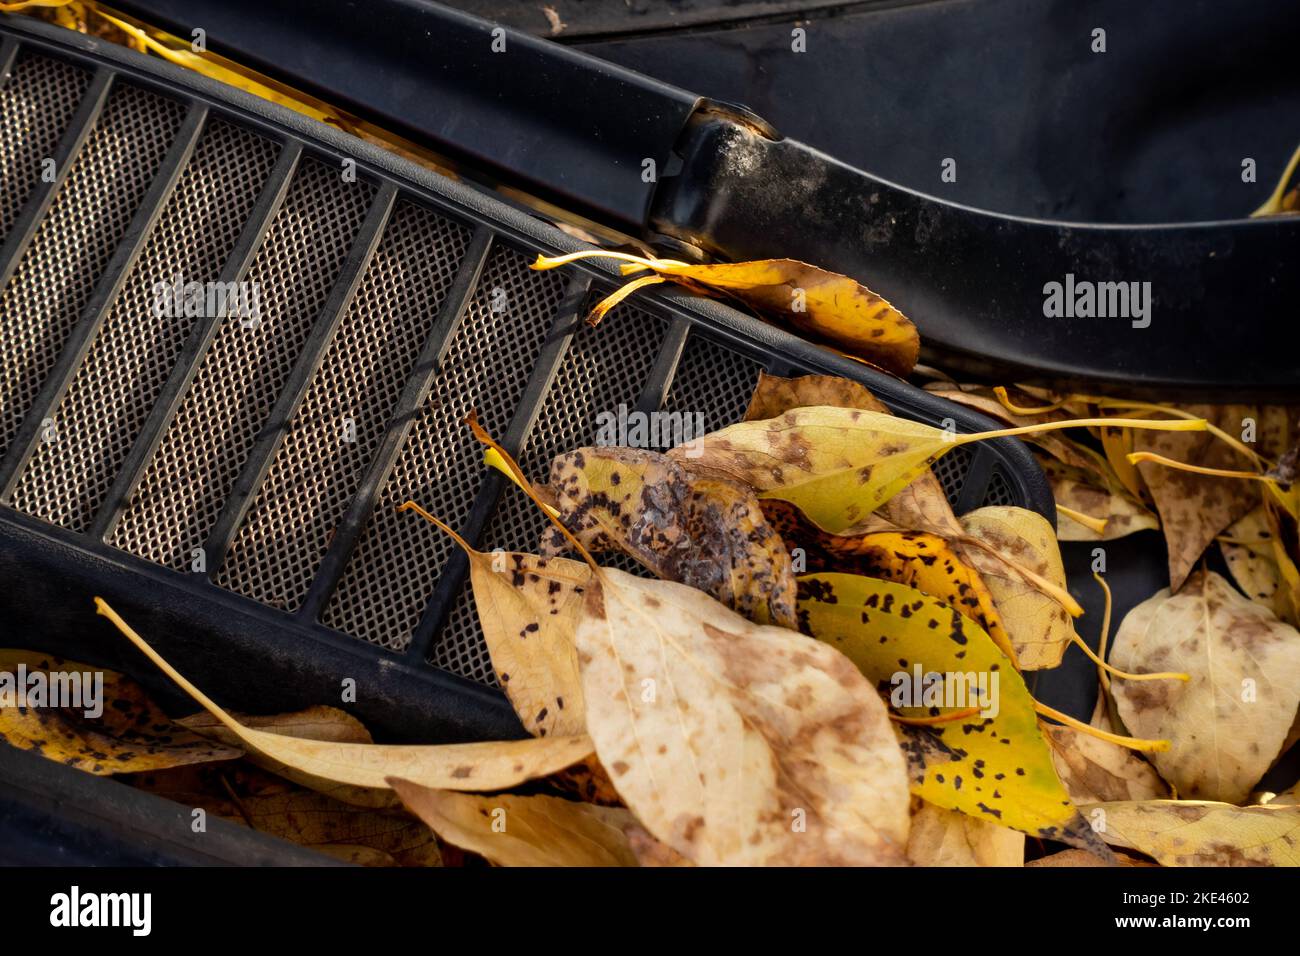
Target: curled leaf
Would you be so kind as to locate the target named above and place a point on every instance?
(708, 534)
(478, 766)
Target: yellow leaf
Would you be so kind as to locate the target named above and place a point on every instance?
(1228, 722)
(1202, 833)
(1039, 626)
(707, 534)
(736, 743)
(998, 766)
(921, 506)
(478, 766)
(838, 465)
(512, 830)
(824, 305)
(1248, 551)
(110, 728)
(914, 558)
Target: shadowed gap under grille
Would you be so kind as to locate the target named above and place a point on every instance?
(67, 478)
(399, 557)
(346, 410)
(177, 501)
(36, 104)
(58, 273)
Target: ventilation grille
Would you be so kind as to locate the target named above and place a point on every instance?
(36, 102)
(66, 479)
(398, 559)
(345, 412)
(279, 445)
(192, 473)
(54, 280)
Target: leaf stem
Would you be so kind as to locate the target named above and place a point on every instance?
(1097, 525)
(1166, 425)
(934, 721)
(1132, 743)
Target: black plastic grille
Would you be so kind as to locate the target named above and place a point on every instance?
(391, 305)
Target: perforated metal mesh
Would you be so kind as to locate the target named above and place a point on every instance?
(66, 479)
(951, 471)
(176, 503)
(998, 491)
(603, 368)
(713, 381)
(399, 557)
(58, 273)
(346, 410)
(36, 104)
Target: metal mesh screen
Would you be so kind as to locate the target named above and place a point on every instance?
(57, 274)
(951, 471)
(398, 558)
(346, 410)
(713, 381)
(36, 105)
(66, 479)
(180, 496)
(603, 368)
(998, 491)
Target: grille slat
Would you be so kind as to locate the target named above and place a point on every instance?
(66, 479)
(36, 105)
(345, 411)
(56, 277)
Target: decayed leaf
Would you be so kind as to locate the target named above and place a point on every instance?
(1095, 770)
(914, 558)
(648, 850)
(838, 465)
(942, 837)
(707, 534)
(1203, 833)
(512, 830)
(810, 772)
(1039, 627)
(1228, 723)
(478, 766)
(1077, 858)
(249, 797)
(1084, 491)
(999, 766)
(825, 305)
(129, 734)
(921, 506)
(1247, 547)
(1194, 508)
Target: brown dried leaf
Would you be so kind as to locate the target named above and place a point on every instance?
(1253, 563)
(1095, 770)
(1098, 497)
(811, 773)
(707, 534)
(1228, 723)
(942, 837)
(1202, 833)
(130, 734)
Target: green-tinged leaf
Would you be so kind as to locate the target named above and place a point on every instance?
(1202, 833)
(999, 767)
